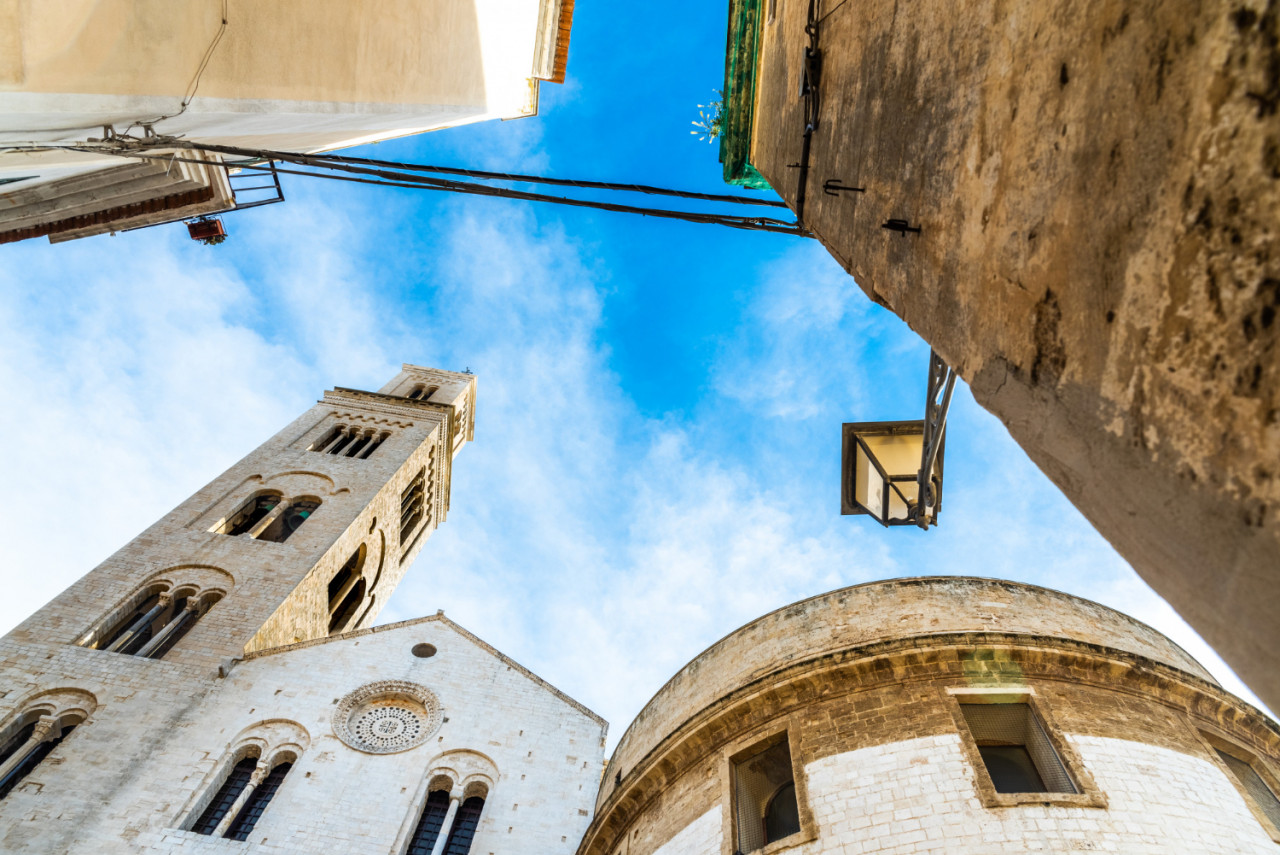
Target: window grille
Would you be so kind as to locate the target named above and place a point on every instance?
(766, 797)
(412, 504)
(257, 803)
(429, 824)
(1253, 784)
(1015, 749)
(237, 780)
(464, 827)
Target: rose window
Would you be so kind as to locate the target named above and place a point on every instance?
(383, 718)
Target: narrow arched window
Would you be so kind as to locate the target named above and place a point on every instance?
(225, 798)
(464, 827)
(290, 520)
(251, 513)
(257, 803)
(412, 502)
(422, 392)
(429, 824)
(32, 742)
(346, 592)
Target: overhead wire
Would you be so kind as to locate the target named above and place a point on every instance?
(394, 174)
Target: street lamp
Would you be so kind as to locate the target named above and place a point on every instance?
(893, 470)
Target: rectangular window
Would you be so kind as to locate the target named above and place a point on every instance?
(764, 792)
(1253, 784)
(1015, 750)
(412, 503)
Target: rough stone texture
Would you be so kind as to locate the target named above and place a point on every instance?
(1097, 186)
(260, 668)
(883, 761)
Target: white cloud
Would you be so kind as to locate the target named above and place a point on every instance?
(601, 548)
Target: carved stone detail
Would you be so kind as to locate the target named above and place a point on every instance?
(387, 717)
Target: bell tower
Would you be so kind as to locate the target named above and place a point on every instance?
(305, 537)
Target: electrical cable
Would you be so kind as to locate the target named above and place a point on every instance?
(313, 159)
(411, 180)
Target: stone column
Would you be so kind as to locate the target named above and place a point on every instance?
(138, 625)
(447, 825)
(271, 517)
(238, 805)
(44, 730)
(188, 613)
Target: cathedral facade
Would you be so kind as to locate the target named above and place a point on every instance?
(216, 685)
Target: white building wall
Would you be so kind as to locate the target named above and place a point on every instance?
(917, 798)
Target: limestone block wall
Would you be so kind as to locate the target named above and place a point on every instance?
(883, 759)
(134, 774)
(1096, 188)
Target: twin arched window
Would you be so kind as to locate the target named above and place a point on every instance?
(30, 737)
(269, 516)
(421, 392)
(242, 798)
(154, 621)
(449, 815)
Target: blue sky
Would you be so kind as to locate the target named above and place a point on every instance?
(658, 422)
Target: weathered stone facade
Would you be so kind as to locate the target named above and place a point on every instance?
(262, 671)
(867, 685)
(1096, 188)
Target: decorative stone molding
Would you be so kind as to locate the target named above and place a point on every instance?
(387, 717)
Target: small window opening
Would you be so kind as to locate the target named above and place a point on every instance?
(251, 513)
(1253, 784)
(1016, 750)
(422, 392)
(464, 827)
(765, 790)
(412, 504)
(257, 803)
(298, 512)
(237, 780)
(341, 618)
(430, 822)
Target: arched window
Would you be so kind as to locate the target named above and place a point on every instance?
(227, 795)
(429, 824)
(29, 745)
(346, 591)
(251, 513)
(158, 620)
(421, 392)
(782, 815)
(290, 520)
(351, 441)
(43, 723)
(464, 826)
(268, 516)
(242, 798)
(257, 802)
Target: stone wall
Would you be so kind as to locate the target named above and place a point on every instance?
(1096, 187)
(882, 756)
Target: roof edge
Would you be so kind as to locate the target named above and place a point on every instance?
(438, 617)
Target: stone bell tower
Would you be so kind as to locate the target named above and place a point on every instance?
(223, 680)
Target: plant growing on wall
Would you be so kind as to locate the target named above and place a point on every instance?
(710, 119)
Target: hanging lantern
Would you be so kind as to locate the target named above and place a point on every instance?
(892, 471)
